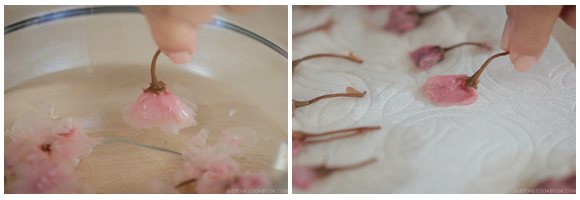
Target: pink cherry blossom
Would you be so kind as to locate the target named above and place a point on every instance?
(403, 18)
(212, 165)
(427, 56)
(161, 110)
(212, 174)
(303, 177)
(212, 186)
(43, 154)
(565, 185)
(218, 174)
(247, 181)
(449, 90)
(238, 136)
(47, 177)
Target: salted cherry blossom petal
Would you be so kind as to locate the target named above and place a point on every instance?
(238, 136)
(211, 168)
(43, 155)
(247, 181)
(427, 56)
(303, 177)
(47, 177)
(565, 185)
(403, 18)
(164, 110)
(218, 176)
(199, 139)
(449, 90)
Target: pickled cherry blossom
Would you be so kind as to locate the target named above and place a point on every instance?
(427, 56)
(43, 154)
(449, 90)
(404, 18)
(247, 181)
(157, 107)
(211, 168)
(460, 89)
(565, 185)
(304, 176)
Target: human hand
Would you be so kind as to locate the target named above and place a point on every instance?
(173, 27)
(527, 31)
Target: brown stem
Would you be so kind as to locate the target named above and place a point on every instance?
(323, 27)
(155, 86)
(183, 183)
(298, 104)
(358, 129)
(325, 171)
(153, 63)
(47, 148)
(350, 57)
(474, 80)
(430, 12)
(354, 166)
(478, 44)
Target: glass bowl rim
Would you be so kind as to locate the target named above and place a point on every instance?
(91, 10)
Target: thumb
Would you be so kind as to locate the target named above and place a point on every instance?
(173, 28)
(527, 33)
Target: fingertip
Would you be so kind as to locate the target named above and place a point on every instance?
(172, 36)
(524, 63)
(532, 26)
(178, 57)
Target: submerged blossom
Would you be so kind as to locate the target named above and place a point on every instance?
(161, 110)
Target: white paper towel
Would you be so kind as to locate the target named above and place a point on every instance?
(521, 129)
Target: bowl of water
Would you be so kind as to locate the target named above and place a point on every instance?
(91, 63)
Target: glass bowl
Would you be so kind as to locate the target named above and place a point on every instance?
(91, 63)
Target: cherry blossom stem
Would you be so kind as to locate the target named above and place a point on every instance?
(323, 27)
(298, 104)
(350, 57)
(153, 66)
(354, 166)
(479, 44)
(430, 12)
(474, 80)
(183, 183)
(357, 129)
(156, 86)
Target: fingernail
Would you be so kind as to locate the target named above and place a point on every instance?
(524, 63)
(179, 57)
(506, 34)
